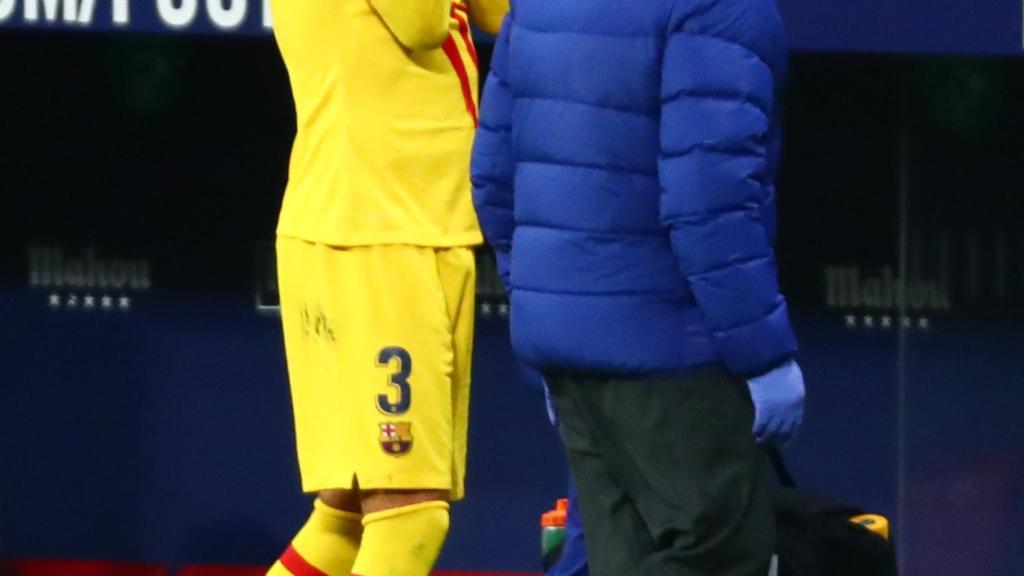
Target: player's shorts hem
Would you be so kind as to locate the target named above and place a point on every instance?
(383, 482)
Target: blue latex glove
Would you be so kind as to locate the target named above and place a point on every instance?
(778, 403)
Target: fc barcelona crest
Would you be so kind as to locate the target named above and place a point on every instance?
(396, 437)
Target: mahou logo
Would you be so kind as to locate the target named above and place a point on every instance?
(87, 281)
(884, 300)
(850, 287)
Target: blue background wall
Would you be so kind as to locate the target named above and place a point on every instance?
(940, 26)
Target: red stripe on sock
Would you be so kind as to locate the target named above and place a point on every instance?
(297, 565)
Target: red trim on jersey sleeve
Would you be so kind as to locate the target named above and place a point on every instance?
(451, 49)
(466, 36)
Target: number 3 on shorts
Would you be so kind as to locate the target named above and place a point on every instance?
(399, 380)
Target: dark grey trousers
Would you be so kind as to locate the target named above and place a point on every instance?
(670, 481)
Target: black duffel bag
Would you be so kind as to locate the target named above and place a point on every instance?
(817, 537)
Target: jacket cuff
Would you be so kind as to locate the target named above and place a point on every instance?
(757, 348)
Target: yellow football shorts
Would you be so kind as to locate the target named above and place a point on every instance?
(379, 342)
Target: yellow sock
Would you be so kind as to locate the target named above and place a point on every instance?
(404, 541)
(326, 545)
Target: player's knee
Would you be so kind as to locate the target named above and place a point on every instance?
(422, 512)
(430, 516)
(382, 500)
(344, 500)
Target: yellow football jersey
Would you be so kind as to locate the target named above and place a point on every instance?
(386, 104)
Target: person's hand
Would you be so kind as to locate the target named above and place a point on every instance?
(778, 398)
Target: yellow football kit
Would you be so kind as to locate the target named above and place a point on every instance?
(375, 237)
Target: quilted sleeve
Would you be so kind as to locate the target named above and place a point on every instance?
(717, 103)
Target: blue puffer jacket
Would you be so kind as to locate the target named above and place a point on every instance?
(624, 174)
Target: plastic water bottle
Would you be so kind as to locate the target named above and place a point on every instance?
(552, 533)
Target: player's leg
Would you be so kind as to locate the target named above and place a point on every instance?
(329, 540)
(403, 532)
(418, 468)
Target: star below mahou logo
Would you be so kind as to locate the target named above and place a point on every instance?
(86, 281)
(396, 437)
